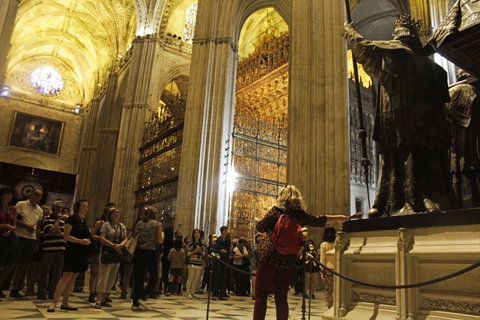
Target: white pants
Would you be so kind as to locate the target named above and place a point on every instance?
(107, 276)
(193, 275)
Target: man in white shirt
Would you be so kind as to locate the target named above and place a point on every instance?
(29, 219)
(241, 261)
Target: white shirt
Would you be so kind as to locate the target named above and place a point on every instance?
(30, 215)
(236, 251)
(327, 259)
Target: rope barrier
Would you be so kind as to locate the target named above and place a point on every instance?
(216, 256)
(405, 286)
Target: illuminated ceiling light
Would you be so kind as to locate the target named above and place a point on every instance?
(5, 92)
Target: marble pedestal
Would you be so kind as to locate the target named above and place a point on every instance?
(406, 250)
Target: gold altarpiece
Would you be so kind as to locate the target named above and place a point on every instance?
(259, 154)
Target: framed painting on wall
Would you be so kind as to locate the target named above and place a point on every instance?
(34, 133)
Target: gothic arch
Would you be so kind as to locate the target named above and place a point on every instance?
(170, 75)
(246, 7)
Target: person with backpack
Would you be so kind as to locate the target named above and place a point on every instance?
(278, 255)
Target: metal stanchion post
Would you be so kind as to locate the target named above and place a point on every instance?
(310, 290)
(304, 258)
(210, 286)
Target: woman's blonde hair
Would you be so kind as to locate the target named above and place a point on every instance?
(149, 213)
(290, 196)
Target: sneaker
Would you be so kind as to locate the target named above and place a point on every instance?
(91, 298)
(42, 296)
(16, 294)
(136, 307)
(194, 296)
(189, 296)
(144, 306)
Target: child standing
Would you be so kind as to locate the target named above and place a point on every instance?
(176, 256)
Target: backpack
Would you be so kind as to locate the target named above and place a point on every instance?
(287, 236)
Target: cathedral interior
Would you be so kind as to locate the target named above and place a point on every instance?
(113, 124)
(201, 108)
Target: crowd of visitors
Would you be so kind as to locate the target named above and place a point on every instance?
(46, 248)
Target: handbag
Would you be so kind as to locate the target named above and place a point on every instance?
(110, 255)
(131, 244)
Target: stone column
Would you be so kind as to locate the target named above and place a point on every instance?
(318, 148)
(202, 197)
(87, 154)
(141, 96)
(108, 124)
(8, 13)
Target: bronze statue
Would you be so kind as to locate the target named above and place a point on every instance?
(464, 117)
(410, 123)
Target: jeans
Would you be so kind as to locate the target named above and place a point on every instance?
(268, 277)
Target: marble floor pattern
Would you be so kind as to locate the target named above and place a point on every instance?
(171, 308)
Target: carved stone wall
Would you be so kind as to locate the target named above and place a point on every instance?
(67, 159)
(408, 256)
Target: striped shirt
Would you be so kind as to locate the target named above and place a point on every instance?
(52, 242)
(196, 258)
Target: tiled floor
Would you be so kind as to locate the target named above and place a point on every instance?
(172, 307)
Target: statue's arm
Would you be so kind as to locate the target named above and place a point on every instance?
(364, 51)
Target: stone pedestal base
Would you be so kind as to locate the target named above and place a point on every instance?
(406, 250)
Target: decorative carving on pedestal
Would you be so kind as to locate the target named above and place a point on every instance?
(449, 305)
(405, 239)
(375, 298)
(342, 241)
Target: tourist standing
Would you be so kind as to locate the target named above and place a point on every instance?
(273, 267)
(145, 258)
(79, 240)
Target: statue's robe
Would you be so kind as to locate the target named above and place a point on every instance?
(410, 125)
(464, 116)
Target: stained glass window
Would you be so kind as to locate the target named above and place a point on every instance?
(47, 80)
(190, 18)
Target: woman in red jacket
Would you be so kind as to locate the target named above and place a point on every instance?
(274, 269)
